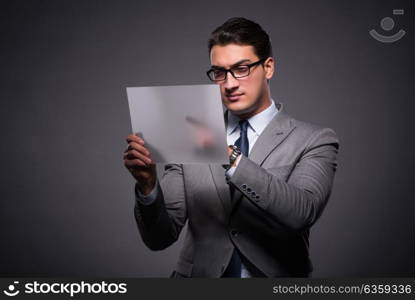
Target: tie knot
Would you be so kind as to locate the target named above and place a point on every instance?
(243, 125)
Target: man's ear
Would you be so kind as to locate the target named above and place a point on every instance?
(269, 67)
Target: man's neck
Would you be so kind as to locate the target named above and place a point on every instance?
(266, 103)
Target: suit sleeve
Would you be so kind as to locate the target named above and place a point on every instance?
(161, 221)
(298, 200)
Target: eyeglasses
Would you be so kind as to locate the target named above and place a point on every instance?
(219, 74)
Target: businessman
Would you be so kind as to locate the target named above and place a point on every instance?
(251, 218)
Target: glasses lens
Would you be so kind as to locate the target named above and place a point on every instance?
(218, 75)
(240, 71)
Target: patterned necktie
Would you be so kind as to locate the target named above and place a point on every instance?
(234, 267)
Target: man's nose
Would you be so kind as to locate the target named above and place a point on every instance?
(231, 82)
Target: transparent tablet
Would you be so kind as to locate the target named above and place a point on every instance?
(180, 124)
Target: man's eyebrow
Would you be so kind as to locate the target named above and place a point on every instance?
(234, 65)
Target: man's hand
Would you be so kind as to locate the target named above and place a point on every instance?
(137, 159)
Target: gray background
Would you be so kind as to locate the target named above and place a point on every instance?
(67, 201)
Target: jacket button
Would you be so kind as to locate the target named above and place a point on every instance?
(248, 190)
(253, 194)
(243, 186)
(257, 197)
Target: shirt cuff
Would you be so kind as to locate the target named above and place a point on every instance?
(146, 199)
(231, 170)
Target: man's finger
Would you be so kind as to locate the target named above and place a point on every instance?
(138, 147)
(134, 163)
(133, 154)
(134, 138)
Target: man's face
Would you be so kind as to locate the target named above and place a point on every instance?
(248, 95)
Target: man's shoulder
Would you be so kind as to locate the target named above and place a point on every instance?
(312, 132)
(306, 126)
(285, 120)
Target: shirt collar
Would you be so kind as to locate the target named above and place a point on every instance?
(257, 122)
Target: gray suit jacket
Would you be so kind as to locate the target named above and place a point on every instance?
(281, 190)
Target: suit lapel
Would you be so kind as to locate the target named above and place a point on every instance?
(222, 188)
(273, 135)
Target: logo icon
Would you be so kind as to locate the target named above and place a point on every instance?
(11, 291)
(387, 24)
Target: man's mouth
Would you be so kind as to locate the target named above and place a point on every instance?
(234, 96)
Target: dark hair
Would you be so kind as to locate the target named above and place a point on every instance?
(242, 31)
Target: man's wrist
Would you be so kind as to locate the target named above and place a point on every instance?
(146, 188)
(233, 156)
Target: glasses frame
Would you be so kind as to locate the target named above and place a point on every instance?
(230, 70)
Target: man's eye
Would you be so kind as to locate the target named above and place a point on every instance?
(218, 73)
(240, 70)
